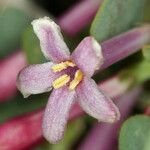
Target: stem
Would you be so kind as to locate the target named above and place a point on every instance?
(104, 136)
(79, 16)
(28, 126)
(124, 45)
(9, 69)
(21, 132)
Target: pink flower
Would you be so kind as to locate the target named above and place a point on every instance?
(70, 78)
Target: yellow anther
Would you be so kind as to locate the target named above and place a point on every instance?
(59, 67)
(78, 77)
(63, 65)
(70, 63)
(61, 81)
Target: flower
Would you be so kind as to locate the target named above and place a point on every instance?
(70, 78)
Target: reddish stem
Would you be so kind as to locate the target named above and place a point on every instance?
(9, 69)
(21, 132)
(147, 111)
(79, 16)
(123, 45)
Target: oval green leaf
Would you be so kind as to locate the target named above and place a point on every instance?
(31, 47)
(12, 24)
(116, 16)
(135, 134)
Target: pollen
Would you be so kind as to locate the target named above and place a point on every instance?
(61, 81)
(77, 79)
(63, 65)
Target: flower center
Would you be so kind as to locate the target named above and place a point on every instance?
(72, 75)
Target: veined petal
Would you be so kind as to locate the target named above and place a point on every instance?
(36, 79)
(51, 39)
(57, 113)
(96, 103)
(88, 56)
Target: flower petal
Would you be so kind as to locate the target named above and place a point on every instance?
(36, 79)
(57, 113)
(51, 40)
(88, 56)
(95, 103)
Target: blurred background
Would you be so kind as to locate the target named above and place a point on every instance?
(19, 46)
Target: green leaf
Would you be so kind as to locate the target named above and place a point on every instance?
(147, 11)
(73, 132)
(12, 24)
(43, 146)
(135, 134)
(19, 106)
(31, 47)
(137, 73)
(146, 52)
(116, 16)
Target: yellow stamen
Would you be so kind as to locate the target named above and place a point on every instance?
(63, 65)
(61, 81)
(70, 63)
(78, 77)
(59, 67)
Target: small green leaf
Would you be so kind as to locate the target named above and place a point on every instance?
(31, 47)
(12, 24)
(135, 134)
(146, 52)
(116, 16)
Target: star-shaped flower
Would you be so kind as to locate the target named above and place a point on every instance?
(70, 78)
